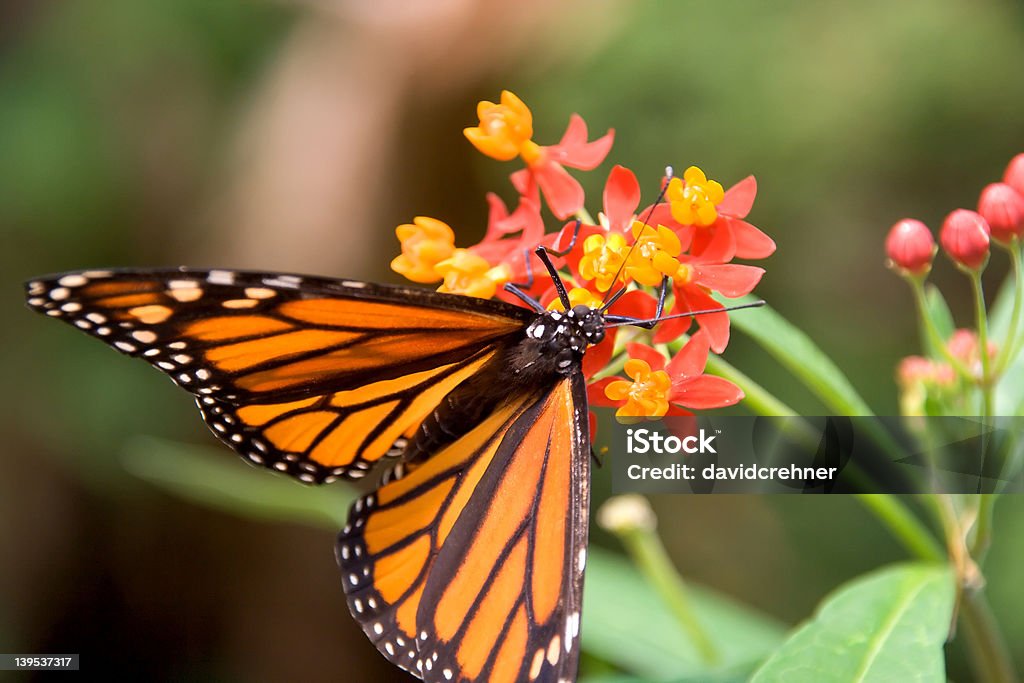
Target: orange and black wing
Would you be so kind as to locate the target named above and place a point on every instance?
(469, 567)
(313, 377)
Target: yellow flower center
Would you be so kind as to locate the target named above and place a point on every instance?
(466, 273)
(654, 254)
(646, 395)
(504, 130)
(694, 198)
(425, 243)
(602, 259)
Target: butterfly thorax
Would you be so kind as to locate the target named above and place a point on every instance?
(556, 341)
(551, 348)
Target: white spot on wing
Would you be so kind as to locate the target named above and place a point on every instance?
(221, 277)
(72, 280)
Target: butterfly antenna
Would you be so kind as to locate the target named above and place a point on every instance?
(621, 320)
(563, 296)
(645, 223)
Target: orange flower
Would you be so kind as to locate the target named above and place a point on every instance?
(504, 129)
(603, 257)
(425, 243)
(646, 395)
(577, 296)
(471, 275)
(654, 255)
(694, 198)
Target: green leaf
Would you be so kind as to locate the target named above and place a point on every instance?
(941, 317)
(626, 623)
(216, 478)
(795, 350)
(887, 626)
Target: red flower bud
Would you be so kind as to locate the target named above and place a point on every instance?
(1003, 208)
(910, 246)
(1014, 176)
(965, 238)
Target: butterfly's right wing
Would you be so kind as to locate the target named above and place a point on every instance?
(470, 566)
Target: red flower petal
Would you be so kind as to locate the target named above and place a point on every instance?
(598, 356)
(595, 393)
(750, 241)
(689, 298)
(689, 362)
(732, 280)
(676, 411)
(646, 353)
(706, 391)
(670, 330)
(621, 197)
(714, 244)
(563, 193)
(575, 152)
(635, 304)
(739, 198)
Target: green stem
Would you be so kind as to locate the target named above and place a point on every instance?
(902, 524)
(584, 217)
(982, 538)
(1011, 344)
(650, 556)
(985, 643)
(936, 340)
(986, 502)
(982, 321)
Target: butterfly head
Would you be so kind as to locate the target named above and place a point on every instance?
(563, 336)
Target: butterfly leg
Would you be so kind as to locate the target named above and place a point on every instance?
(543, 254)
(640, 322)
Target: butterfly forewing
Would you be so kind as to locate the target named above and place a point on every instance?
(312, 377)
(470, 567)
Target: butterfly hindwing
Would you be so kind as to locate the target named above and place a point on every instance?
(470, 567)
(313, 377)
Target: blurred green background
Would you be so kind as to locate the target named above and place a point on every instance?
(296, 135)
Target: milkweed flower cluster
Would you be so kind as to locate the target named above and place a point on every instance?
(957, 377)
(686, 241)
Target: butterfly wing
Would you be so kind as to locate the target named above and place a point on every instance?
(314, 377)
(470, 566)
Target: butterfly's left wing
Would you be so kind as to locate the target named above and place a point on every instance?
(313, 377)
(470, 566)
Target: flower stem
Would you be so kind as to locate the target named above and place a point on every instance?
(583, 216)
(1011, 342)
(986, 365)
(934, 338)
(986, 501)
(650, 557)
(982, 538)
(985, 644)
(902, 524)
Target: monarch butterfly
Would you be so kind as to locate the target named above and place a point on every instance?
(467, 562)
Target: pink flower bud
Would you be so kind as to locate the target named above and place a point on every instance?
(965, 238)
(1014, 176)
(1003, 208)
(910, 246)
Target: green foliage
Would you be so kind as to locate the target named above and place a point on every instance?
(889, 625)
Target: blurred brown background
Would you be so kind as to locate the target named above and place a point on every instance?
(296, 135)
